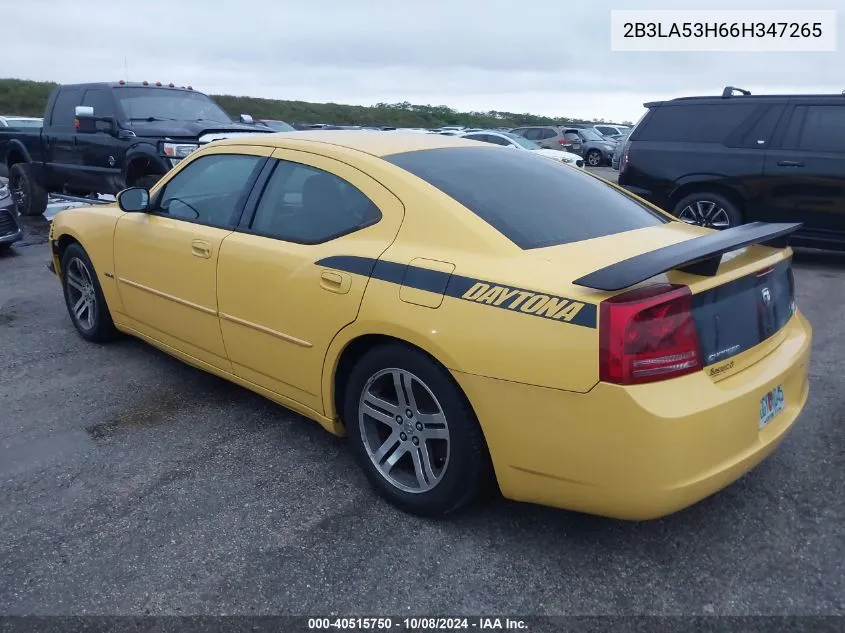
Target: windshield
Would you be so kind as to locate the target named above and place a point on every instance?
(591, 135)
(151, 104)
(521, 140)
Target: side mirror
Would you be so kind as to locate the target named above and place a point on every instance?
(245, 118)
(83, 119)
(133, 199)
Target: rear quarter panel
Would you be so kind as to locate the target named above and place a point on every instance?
(93, 228)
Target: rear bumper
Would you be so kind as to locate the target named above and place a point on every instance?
(638, 452)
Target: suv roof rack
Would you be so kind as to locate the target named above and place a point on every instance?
(728, 92)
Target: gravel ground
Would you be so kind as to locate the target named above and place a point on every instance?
(133, 484)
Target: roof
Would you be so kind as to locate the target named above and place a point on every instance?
(784, 98)
(134, 84)
(369, 141)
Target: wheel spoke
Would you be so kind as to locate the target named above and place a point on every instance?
(79, 307)
(401, 400)
(89, 314)
(372, 409)
(422, 467)
(386, 447)
(74, 281)
(395, 456)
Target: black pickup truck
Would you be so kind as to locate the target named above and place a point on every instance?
(100, 138)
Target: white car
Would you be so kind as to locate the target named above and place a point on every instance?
(507, 139)
(20, 121)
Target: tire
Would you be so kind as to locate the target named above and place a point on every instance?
(147, 182)
(80, 285)
(460, 468)
(30, 197)
(594, 158)
(707, 209)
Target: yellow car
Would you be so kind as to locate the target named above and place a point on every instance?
(463, 313)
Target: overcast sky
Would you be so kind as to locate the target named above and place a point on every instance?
(546, 57)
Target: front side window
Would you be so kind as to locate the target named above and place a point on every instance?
(533, 134)
(210, 189)
(307, 205)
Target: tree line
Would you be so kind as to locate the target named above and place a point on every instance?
(29, 98)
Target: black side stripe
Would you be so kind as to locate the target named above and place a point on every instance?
(489, 293)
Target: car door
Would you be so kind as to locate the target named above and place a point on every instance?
(101, 153)
(166, 259)
(61, 153)
(805, 172)
(280, 300)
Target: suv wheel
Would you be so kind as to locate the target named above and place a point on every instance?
(594, 158)
(709, 210)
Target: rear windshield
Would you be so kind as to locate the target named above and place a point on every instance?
(532, 200)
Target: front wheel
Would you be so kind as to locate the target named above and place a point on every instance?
(594, 158)
(84, 298)
(413, 433)
(30, 198)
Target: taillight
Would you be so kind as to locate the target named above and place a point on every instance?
(623, 163)
(562, 142)
(648, 334)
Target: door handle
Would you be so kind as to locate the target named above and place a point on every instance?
(201, 248)
(790, 163)
(335, 281)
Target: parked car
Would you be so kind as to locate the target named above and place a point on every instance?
(722, 161)
(515, 141)
(595, 149)
(20, 121)
(103, 137)
(617, 153)
(276, 125)
(550, 137)
(611, 130)
(10, 229)
(465, 316)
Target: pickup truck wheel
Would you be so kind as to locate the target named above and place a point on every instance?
(147, 182)
(29, 197)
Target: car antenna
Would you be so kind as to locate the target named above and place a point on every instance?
(727, 93)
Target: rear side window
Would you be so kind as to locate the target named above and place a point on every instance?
(711, 123)
(823, 128)
(533, 201)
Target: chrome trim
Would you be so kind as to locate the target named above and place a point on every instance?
(266, 330)
(164, 295)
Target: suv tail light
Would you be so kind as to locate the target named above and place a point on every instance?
(564, 143)
(648, 334)
(623, 163)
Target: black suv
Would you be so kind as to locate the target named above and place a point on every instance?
(722, 161)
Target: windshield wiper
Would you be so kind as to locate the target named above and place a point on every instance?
(151, 118)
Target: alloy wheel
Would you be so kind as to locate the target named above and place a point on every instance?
(404, 430)
(705, 213)
(18, 194)
(82, 297)
(593, 159)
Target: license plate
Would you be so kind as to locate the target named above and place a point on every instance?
(770, 405)
(576, 146)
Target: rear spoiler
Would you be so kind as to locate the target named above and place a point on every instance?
(698, 256)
